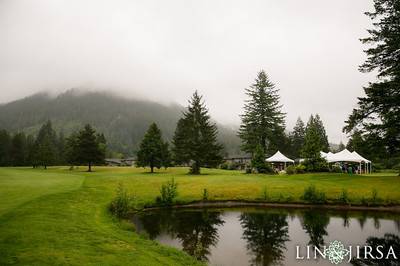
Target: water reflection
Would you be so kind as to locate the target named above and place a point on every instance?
(196, 230)
(266, 234)
(315, 223)
(386, 242)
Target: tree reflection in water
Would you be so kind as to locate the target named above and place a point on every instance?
(196, 230)
(266, 234)
(315, 223)
(389, 240)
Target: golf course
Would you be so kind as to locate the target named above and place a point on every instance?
(60, 216)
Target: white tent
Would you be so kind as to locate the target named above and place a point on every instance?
(347, 156)
(278, 157)
(342, 156)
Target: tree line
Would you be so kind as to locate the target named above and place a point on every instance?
(49, 148)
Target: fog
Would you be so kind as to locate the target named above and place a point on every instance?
(164, 50)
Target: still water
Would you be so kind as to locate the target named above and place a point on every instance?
(260, 236)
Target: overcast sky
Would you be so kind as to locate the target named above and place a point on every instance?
(164, 50)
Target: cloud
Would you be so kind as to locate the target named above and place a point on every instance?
(164, 50)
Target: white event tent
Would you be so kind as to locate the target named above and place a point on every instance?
(347, 156)
(278, 157)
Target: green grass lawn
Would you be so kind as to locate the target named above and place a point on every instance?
(57, 216)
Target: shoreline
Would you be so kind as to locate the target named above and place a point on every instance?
(234, 203)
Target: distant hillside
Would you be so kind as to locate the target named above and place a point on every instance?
(123, 121)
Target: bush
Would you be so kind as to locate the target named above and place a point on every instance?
(300, 169)
(312, 195)
(336, 169)
(374, 197)
(205, 194)
(344, 197)
(264, 194)
(121, 203)
(317, 165)
(291, 170)
(234, 166)
(168, 192)
(224, 166)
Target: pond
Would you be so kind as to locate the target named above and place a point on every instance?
(271, 236)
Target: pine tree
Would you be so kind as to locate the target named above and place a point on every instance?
(89, 149)
(322, 133)
(166, 155)
(258, 161)
(45, 146)
(31, 150)
(71, 150)
(262, 121)
(195, 139)
(378, 112)
(5, 146)
(151, 150)
(312, 146)
(18, 151)
(297, 138)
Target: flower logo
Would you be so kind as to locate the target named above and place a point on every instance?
(336, 252)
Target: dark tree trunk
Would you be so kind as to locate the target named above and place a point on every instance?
(90, 167)
(45, 167)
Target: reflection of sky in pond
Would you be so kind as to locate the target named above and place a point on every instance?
(250, 236)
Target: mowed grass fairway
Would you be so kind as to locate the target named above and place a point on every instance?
(58, 216)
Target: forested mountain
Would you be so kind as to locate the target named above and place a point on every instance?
(123, 121)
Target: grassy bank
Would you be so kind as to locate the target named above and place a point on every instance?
(60, 217)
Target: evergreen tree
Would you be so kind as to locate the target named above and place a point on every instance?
(30, 150)
(61, 148)
(18, 151)
(71, 150)
(378, 113)
(258, 161)
(5, 146)
(152, 149)
(312, 146)
(262, 121)
(166, 155)
(322, 133)
(297, 138)
(195, 139)
(89, 150)
(45, 146)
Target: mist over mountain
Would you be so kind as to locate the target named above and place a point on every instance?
(123, 120)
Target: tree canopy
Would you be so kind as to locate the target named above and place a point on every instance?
(153, 151)
(378, 112)
(262, 121)
(195, 139)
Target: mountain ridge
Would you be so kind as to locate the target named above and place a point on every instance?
(122, 120)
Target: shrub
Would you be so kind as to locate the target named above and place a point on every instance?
(336, 169)
(291, 170)
(264, 194)
(300, 169)
(312, 195)
(205, 194)
(374, 197)
(316, 165)
(248, 169)
(120, 204)
(344, 197)
(168, 192)
(234, 166)
(224, 166)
